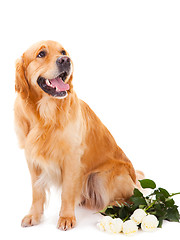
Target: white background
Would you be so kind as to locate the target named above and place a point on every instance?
(126, 58)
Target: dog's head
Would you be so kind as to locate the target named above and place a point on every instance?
(46, 68)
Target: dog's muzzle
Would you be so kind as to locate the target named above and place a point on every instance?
(57, 87)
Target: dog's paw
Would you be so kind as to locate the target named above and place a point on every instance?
(30, 220)
(66, 223)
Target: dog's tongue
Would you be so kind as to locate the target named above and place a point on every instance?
(59, 84)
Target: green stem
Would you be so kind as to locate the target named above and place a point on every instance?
(173, 194)
(149, 206)
(125, 218)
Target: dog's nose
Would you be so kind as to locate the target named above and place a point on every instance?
(63, 62)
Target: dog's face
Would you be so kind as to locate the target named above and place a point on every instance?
(47, 67)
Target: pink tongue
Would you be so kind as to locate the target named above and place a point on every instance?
(58, 82)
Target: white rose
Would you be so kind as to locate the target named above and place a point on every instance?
(149, 223)
(129, 227)
(110, 225)
(138, 216)
(102, 224)
(115, 225)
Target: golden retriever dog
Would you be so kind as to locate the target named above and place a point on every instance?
(65, 143)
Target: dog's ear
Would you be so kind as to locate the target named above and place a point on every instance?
(21, 83)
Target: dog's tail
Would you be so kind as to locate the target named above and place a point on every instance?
(139, 176)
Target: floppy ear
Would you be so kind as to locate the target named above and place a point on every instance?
(21, 83)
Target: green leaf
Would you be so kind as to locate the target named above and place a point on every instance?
(162, 198)
(138, 201)
(160, 219)
(137, 193)
(169, 202)
(123, 212)
(160, 210)
(164, 192)
(147, 183)
(109, 211)
(161, 194)
(172, 214)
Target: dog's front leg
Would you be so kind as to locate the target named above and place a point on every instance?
(71, 188)
(38, 200)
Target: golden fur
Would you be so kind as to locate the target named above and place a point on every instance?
(65, 143)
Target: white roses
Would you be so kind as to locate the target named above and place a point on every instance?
(129, 227)
(110, 225)
(138, 216)
(149, 223)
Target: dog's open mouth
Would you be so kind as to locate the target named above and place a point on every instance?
(55, 87)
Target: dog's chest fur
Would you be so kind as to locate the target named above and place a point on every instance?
(48, 146)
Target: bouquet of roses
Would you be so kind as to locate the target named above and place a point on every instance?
(145, 212)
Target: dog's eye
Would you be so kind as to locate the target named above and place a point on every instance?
(63, 52)
(41, 54)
